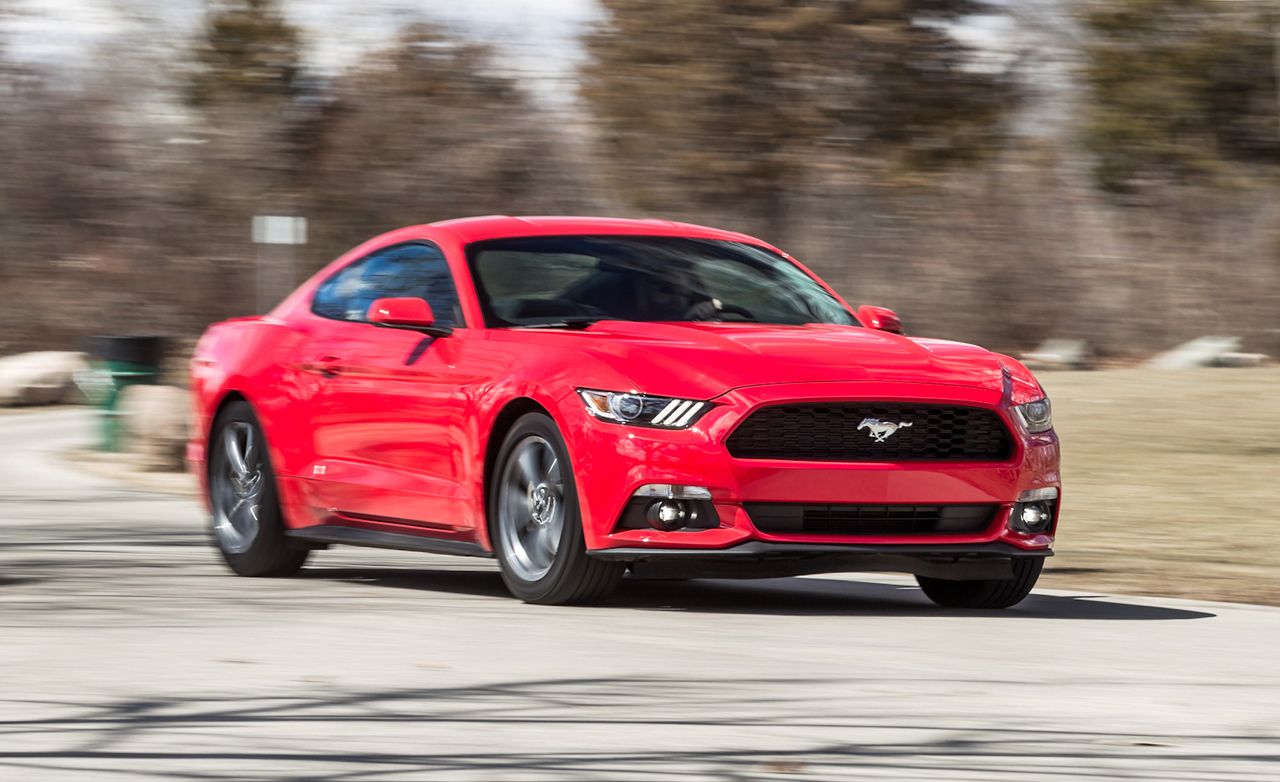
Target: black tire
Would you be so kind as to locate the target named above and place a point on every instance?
(267, 552)
(572, 576)
(986, 593)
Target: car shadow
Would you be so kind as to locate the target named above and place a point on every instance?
(15, 580)
(813, 596)
(476, 582)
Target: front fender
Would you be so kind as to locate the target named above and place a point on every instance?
(548, 379)
(243, 358)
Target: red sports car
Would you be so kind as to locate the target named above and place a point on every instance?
(582, 397)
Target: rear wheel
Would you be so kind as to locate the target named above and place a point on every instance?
(535, 522)
(985, 593)
(247, 526)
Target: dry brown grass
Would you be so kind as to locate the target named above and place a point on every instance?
(1171, 483)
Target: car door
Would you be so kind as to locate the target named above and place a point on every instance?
(389, 422)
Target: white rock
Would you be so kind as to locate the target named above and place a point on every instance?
(42, 378)
(1059, 354)
(155, 425)
(1199, 352)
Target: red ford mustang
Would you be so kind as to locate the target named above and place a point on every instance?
(581, 397)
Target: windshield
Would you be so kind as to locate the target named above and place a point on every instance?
(560, 280)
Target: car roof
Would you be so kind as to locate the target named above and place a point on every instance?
(474, 229)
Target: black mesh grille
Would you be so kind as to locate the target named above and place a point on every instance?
(886, 520)
(829, 431)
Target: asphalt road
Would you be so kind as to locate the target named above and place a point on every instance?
(126, 652)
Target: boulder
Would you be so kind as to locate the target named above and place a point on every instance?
(44, 378)
(1059, 354)
(155, 426)
(1199, 352)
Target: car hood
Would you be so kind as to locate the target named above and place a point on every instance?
(708, 359)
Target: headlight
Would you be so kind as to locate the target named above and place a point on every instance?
(623, 407)
(1035, 416)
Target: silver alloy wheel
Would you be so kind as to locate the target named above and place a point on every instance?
(531, 508)
(236, 487)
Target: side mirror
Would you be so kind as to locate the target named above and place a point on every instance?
(406, 313)
(881, 318)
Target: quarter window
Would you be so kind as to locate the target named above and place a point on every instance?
(405, 270)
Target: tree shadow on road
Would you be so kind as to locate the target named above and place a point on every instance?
(784, 596)
(619, 728)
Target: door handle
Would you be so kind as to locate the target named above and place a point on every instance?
(326, 366)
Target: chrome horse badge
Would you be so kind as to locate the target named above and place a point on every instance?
(881, 430)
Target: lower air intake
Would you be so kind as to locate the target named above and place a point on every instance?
(869, 520)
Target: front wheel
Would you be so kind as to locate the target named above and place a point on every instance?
(985, 593)
(535, 522)
(247, 526)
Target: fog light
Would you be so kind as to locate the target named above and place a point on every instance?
(669, 514)
(1034, 515)
(1031, 516)
(667, 507)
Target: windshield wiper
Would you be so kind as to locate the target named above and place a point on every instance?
(563, 323)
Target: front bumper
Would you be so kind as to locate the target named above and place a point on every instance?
(761, 559)
(612, 461)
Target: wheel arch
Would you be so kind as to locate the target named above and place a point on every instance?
(506, 418)
(228, 398)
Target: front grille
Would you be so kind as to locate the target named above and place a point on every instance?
(880, 520)
(841, 432)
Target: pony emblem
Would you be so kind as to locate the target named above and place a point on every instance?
(881, 430)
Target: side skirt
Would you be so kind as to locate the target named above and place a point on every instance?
(356, 536)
